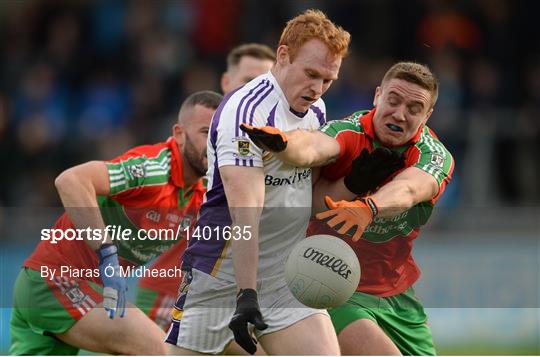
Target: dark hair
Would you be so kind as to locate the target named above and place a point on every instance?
(256, 50)
(206, 98)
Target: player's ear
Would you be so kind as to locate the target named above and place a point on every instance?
(377, 95)
(225, 81)
(178, 134)
(428, 115)
(282, 55)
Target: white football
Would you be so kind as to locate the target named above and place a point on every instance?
(322, 271)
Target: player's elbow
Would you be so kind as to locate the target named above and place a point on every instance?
(409, 194)
(413, 193)
(66, 181)
(306, 161)
(62, 180)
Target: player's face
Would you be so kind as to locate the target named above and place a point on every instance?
(402, 108)
(192, 137)
(247, 69)
(309, 75)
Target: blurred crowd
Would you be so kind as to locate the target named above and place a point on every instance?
(88, 79)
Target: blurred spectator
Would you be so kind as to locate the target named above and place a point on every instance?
(445, 26)
(40, 108)
(105, 106)
(215, 26)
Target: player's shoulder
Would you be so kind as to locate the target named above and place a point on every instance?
(350, 123)
(148, 151)
(251, 94)
(251, 102)
(319, 110)
(428, 142)
(432, 156)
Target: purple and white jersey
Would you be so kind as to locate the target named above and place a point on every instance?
(287, 202)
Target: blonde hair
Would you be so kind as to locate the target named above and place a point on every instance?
(416, 73)
(314, 24)
(255, 50)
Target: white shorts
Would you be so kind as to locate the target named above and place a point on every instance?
(206, 304)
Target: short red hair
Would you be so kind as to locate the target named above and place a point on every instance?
(313, 24)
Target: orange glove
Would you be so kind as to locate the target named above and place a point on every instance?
(266, 137)
(358, 213)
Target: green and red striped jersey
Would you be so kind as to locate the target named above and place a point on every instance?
(384, 251)
(147, 194)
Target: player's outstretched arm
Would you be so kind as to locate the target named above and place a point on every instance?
(302, 148)
(408, 188)
(309, 148)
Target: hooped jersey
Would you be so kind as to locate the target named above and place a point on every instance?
(287, 201)
(147, 197)
(384, 252)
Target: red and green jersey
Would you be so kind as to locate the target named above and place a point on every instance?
(384, 251)
(169, 284)
(147, 194)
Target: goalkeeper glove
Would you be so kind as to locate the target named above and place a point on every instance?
(247, 310)
(356, 214)
(369, 170)
(114, 285)
(266, 137)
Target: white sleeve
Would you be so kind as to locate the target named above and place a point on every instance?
(234, 147)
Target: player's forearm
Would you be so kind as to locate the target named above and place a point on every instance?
(78, 197)
(245, 251)
(245, 257)
(394, 198)
(245, 208)
(304, 149)
(408, 188)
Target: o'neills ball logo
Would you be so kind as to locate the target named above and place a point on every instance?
(325, 260)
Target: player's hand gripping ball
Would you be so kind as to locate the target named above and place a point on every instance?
(322, 271)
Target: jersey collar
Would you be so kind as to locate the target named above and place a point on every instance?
(367, 123)
(177, 167)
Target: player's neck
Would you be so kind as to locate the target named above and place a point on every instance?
(278, 74)
(190, 177)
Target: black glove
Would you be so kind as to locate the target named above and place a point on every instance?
(369, 170)
(266, 137)
(247, 310)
